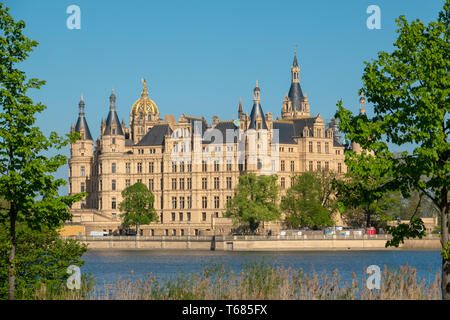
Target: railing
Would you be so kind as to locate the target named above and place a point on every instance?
(237, 238)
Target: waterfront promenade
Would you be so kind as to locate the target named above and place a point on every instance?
(255, 243)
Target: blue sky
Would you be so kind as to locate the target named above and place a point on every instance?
(199, 57)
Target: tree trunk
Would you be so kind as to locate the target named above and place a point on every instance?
(12, 254)
(368, 218)
(445, 282)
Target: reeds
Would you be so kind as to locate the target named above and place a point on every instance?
(258, 281)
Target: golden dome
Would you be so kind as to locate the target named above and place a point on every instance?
(144, 104)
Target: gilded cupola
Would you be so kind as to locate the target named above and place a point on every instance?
(144, 106)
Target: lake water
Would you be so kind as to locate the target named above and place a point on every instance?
(108, 265)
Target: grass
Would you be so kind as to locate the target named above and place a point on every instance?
(257, 281)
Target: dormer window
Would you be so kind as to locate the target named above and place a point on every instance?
(113, 131)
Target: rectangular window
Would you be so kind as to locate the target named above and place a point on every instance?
(216, 202)
(204, 183)
(181, 183)
(151, 167)
(113, 185)
(113, 203)
(174, 232)
(310, 166)
(216, 183)
(182, 232)
(204, 202)
(189, 183)
(174, 184)
(228, 165)
(113, 167)
(181, 166)
(82, 187)
(128, 167)
(327, 147)
(339, 167)
(318, 147)
(204, 216)
(283, 183)
(310, 147)
(151, 185)
(174, 202)
(189, 202)
(327, 165)
(180, 216)
(139, 167)
(189, 166)
(173, 216)
(174, 166)
(292, 166)
(188, 216)
(282, 165)
(216, 165)
(83, 173)
(319, 165)
(181, 202)
(204, 166)
(229, 184)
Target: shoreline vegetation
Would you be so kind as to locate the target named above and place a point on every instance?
(256, 281)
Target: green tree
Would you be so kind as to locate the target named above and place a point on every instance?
(42, 260)
(254, 201)
(308, 202)
(410, 90)
(26, 180)
(137, 206)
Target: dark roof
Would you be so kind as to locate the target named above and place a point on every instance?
(112, 118)
(223, 127)
(82, 124)
(155, 136)
(295, 95)
(300, 124)
(286, 132)
(295, 63)
(257, 111)
(128, 142)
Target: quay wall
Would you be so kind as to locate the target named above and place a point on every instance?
(254, 243)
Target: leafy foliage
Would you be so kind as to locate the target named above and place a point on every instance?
(137, 206)
(42, 259)
(26, 174)
(255, 200)
(304, 201)
(410, 92)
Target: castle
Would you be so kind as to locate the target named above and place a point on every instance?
(192, 189)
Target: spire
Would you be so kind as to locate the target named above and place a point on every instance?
(295, 92)
(240, 107)
(295, 63)
(112, 101)
(81, 107)
(362, 103)
(257, 114)
(144, 88)
(113, 119)
(256, 93)
(81, 122)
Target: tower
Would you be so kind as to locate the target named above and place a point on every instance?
(295, 103)
(143, 116)
(80, 162)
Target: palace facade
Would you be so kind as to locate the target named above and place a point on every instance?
(190, 166)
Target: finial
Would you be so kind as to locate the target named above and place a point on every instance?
(295, 49)
(257, 83)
